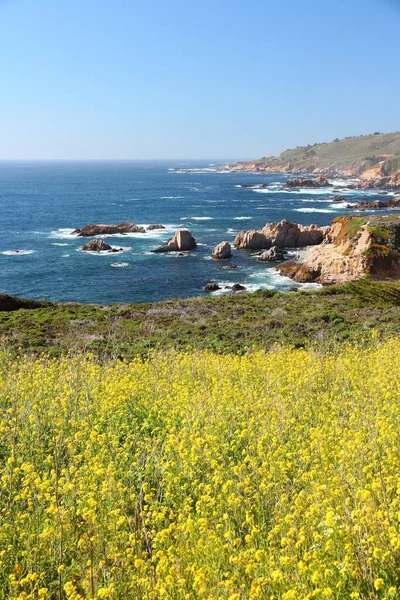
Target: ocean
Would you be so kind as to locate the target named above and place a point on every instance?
(43, 202)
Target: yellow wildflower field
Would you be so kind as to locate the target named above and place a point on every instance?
(199, 476)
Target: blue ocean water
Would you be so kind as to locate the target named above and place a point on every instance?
(41, 203)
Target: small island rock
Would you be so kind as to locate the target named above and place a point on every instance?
(222, 251)
(211, 287)
(97, 246)
(152, 227)
(183, 240)
(101, 229)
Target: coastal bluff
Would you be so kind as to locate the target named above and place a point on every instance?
(373, 159)
(354, 247)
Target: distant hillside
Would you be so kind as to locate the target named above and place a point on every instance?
(371, 157)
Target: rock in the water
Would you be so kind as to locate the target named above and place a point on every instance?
(222, 251)
(101, 229)
(211, 287)
(182, 241)
(230, 267)
(338, 199)
(392, 203)
(97, 246)
(272, 255)
(284, 235)
(237, 287)
(152, 227)
(302, 182)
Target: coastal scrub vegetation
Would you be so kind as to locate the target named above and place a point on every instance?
(199, 475)
(232, 323)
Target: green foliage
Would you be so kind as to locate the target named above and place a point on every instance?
(232, 323)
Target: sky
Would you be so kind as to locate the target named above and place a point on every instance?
(126, 79)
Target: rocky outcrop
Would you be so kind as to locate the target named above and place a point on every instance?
(283, 235)
(392, 203)
(338, 199)
(355, 247)
(183, 240)
(302, 182)
(152, 227)
(272, 255)
(101, 229)
(222, 252)
(99, 246)
(211, 287)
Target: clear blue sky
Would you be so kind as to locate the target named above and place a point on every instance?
(103, 79)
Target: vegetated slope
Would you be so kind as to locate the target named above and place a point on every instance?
(343, 153)
(196, 475)
(376, 156)
(230, 323)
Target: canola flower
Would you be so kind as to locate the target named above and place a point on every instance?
(197, 476)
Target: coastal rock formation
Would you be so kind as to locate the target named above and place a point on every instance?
(183, 240)
(392, 203)
(355, 247)
(99, 246)
(272, 255)
(96, 246)
(338, 199)
(302, 182)
(152, 227)
(101, 229)
(211, 287)
(222, 251)
(283, 235)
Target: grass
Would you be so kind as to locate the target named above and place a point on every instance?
(232, 323)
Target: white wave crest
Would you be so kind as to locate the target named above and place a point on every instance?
(17, 252)
(64, 233)
(196, 219)
(314, 210)
(243, 218)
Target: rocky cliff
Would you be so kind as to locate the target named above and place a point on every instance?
(354, 247)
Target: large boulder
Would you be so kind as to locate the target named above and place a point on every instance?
(101, 229)
(222, 251)
(283, 235)
(96, 246)
(183, 240)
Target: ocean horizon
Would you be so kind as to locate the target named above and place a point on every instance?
(42, 202)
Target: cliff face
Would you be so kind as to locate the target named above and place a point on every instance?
(353, 248)
(373, 158)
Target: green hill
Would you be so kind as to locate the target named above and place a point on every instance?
(376, 155)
